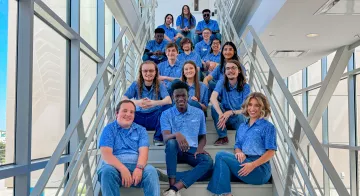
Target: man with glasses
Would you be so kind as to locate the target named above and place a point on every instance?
(207, 23)
(155, 49)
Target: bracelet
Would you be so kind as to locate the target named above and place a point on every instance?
(233, 112)
(141, 167)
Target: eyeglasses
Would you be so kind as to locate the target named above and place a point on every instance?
(206, 15)
(148, 71)
(231, 68)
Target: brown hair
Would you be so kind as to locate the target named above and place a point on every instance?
(171, 45)
(241, 79)
(121, 102)
(262, 100)
(156, 82)
(196, 81)
(186, 40)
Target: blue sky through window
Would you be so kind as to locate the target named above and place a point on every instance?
(3, 60)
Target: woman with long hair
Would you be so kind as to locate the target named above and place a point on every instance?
(198, 92)
(186, 23)
(171, 35)
(150, 97)
(255, 145)
(231, 91)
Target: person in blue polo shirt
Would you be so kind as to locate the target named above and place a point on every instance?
(211, 60)
(124, 148)
(198, 92)
(171, 35)
(232, 91)
(150, 97)
(255, 145)
(207, 23)
(186, 22)
(184, 131)
(170, 70)
(203, 47)
(189, 54)
(155, 49)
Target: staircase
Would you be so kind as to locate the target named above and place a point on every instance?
(291, 174)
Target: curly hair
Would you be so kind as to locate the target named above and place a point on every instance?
(262, 100)
(241, 79)
(196, 81)
(156, 82)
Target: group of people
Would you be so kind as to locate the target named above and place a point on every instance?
(170, 98)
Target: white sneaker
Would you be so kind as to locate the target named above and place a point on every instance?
(170, 193)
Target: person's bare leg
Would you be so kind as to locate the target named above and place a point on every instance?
(179, 185)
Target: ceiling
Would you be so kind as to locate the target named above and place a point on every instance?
(296, 19)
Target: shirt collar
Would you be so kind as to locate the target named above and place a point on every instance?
(177, 63)
(177, 113)
(258, 121)
(144, 87)
(118, 127)
(232, 87)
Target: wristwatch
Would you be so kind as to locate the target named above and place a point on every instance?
(139, 166)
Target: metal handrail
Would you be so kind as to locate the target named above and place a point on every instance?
(324, 159)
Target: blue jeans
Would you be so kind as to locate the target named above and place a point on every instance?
(189, 34)
(110, 180)
(232, 123)
(227, 166)
(198, 38)
(212, 85)
(151, 120)
(202, 164)
(146, 57)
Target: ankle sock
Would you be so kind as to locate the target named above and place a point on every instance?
(174, 188)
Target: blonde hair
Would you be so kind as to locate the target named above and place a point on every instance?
(262, 100)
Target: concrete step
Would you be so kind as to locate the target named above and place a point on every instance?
(199, 189)
(157, 153)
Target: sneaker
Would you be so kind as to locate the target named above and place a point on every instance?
(158, 143)
(170, 193)
(162, 175)
(221, 141)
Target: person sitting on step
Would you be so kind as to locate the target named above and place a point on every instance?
(203, 47)
(171, 35)
(211, 60)
(155, 49)
(207, 23)
(184, 131)
(124, 147)
(186, 22)
(255, 145)
(170, 70)
(198, 92)
(232, 92)
(188, 54)
(151, 99)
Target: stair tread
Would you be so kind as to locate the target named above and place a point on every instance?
(208, 146)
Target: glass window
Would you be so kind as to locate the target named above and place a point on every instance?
(109, 30)
(357, 57)
(88, 21)
(311, 98)
(358, 108)
(49, 89)
(316, 168)
(59, 7)
(330, 58)
(341, 161)
(53, 183)
(292, 117)
(295, 81)
(8, 40)
(6, 186)
(338, 115)
(314, 73)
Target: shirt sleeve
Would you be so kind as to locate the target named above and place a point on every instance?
(216, 73)
(160, 65)
(174, 31)
(246, 92)
(198, 26)
(270, 137)
(163, 91)
(237, 139)
(202, 130)
(206, 58)
(149, 45)
(193, 18)
(219, 86)
(178, 21)
(165, 121)
(216, 26)
(198, 48)
(143, 138)
(131, 91)
(107, 138)
(198, 61)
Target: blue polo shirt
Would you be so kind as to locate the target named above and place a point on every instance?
(153, 46)
(204, 90)
(124, 142)
(233, 99)
(133, 93)
(186, 22)
(169, 31)
(165, 69)
(203, 48)
(193, 56)
(257, 138)
(212, 25)
(190, 123)
(212, 57)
